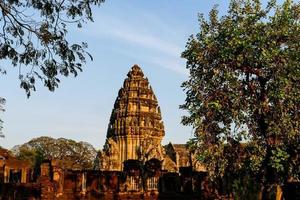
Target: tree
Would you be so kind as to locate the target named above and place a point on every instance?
(75, 155)
(31, 155)
(33, 37)
(243, 94)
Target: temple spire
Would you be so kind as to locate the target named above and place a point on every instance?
(136, 110)
(135, 128)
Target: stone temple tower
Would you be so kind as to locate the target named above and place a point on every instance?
(135, 128)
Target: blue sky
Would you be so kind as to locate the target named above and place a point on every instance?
(151, 34)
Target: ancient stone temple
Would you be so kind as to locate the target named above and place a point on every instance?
(132, 165)
(135, 128)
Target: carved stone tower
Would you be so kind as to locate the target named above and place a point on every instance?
(135, 129)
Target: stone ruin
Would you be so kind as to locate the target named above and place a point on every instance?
(132, 165)
(135, 129)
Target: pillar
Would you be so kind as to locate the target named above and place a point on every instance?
(23, 175)
(6, 174)
(83, 183)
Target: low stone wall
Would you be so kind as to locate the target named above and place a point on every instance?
(135, 182)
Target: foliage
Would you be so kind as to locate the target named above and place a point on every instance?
(33, 156)
(33, 36)
(25, 153)
(243, 94)
(245, 187)
(74, 154)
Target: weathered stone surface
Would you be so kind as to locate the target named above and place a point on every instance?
(12, 169)
(135, 129)
(132, 165)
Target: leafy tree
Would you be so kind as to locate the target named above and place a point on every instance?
(33, 156)
(243, 94)
(33, 36)
(75, 155)
(25, 153)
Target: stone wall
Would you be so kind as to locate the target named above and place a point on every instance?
(136, 181)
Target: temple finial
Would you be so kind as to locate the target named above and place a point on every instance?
(135, 71)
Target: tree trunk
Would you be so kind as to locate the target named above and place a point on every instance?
(279, 193)
(260, 195)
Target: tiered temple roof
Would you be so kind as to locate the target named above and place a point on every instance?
(135, 128)
(136, 110)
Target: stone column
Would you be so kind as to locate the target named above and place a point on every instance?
(83, 183)
(2, 164)
(177, 161)
(58, 177)
(23, 175)
(6, 174)
(47, 189)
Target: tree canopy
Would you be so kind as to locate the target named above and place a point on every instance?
(243, 95)
(33, 37)
(75, 155)
(34, 40)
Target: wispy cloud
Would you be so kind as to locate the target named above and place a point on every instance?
(175, 66)
(165, 52)
(144, 40)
